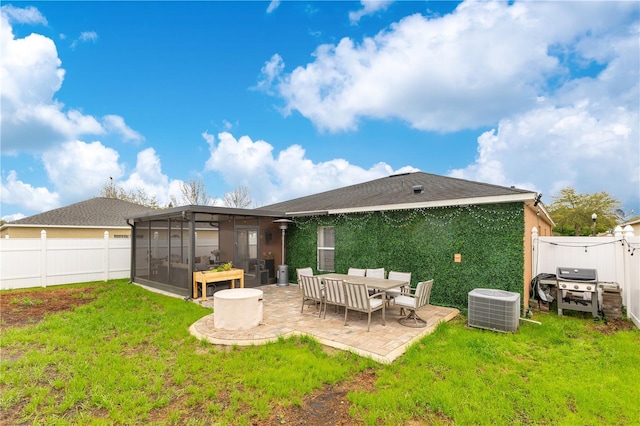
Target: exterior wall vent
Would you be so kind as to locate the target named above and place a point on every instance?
(495, 310)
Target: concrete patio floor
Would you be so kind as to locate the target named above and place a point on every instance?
(282, 318)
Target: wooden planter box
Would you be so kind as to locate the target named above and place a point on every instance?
(206, 277)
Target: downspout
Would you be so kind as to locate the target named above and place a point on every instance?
(133, 250)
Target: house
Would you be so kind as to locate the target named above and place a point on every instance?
(86, 219)
(634, 223)
(463, 234)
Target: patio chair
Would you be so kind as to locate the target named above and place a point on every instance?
(356, 272)
(375, 273)
(414, 302)
(395, 292)
(312, 292)
(357, 298)
(333, 294)
(303, 271)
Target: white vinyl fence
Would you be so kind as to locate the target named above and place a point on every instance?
(616, 258)
(32, 262)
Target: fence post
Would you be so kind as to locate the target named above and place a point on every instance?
(106, 256)
(617, 231)
(43, 258)
(627, 231)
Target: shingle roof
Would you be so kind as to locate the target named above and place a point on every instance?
(396, 190)
(92, 212)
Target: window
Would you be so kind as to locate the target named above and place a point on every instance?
(326, 247)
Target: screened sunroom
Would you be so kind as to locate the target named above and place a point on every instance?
(169, 245)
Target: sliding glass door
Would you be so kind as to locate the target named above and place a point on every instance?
(247, 254)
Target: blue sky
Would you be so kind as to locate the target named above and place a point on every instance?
(291, 98)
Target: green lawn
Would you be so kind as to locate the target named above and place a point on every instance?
(127, 358)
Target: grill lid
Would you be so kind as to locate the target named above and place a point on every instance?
(576, 274)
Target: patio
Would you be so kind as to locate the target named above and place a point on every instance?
(282, 318)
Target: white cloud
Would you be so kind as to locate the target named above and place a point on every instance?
(369, 7)
(585, 136)
(484, 61)
(16, 192)
(13, 217)
(269, 73)
(116, 124)
(79, 169)
(86, 36)
(27, 15)
(273, 5)
(32, 120)
(289, 174)
(559, 147)
(149, 178)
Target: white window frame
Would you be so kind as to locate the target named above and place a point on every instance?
(324, 249)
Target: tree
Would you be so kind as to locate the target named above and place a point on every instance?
(240, 198)
(193, 193)
(572, 212)
(138, 195)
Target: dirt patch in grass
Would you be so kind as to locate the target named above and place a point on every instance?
(20, 308)
(327, 406)
(613, 325)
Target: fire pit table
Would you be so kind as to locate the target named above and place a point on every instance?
(237, 309)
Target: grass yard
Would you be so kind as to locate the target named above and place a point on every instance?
(123, 355)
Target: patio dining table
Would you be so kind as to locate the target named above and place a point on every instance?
(381, 284)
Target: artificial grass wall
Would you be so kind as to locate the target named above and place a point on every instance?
(424, 242)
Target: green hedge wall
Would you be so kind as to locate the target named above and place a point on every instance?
(423, 242)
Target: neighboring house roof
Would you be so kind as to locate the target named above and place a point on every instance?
(633, 221)
(402, 191)
(95, 212)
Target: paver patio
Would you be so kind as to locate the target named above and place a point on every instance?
(282, 318)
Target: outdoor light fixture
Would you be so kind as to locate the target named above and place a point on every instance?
(536, 200)
(594, 217)
(283, 270)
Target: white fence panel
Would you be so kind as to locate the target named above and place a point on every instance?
(613, 257)
(20, 263)
(118, 260)
(600, 253)
(28, 262)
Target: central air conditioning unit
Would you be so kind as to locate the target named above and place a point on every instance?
(496, 310)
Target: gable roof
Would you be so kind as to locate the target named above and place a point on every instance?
(402, 191)
(95, 212)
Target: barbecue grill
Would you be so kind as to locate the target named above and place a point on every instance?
(577, 289)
